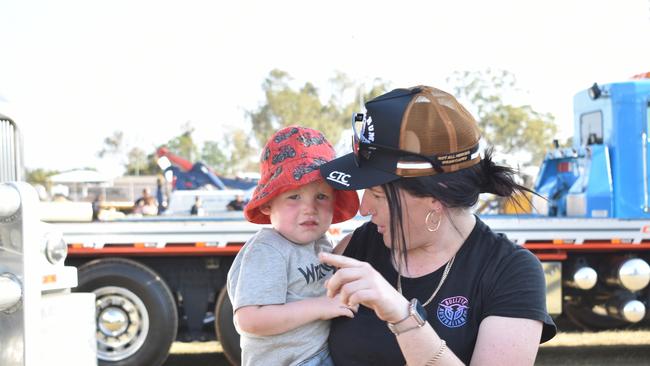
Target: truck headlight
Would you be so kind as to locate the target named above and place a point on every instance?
(56, 249)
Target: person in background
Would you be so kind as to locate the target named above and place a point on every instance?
(237, 204)
(276, 283)
(160, 195)
(146, 193)
(436, 285)
(197, 209)
(149, 207)
(97, 205)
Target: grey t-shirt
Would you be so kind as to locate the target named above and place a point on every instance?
(268, 270)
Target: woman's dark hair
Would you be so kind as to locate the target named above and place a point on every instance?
(459, 189)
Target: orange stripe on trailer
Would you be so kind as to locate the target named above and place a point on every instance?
(152, 251)
(139, 245)
(552, 256)
(591, 246)
(76, 245)
(200, 244)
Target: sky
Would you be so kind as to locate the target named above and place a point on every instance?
(73, 72)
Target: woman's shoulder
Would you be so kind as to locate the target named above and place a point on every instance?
(496, 247)
(365, 242)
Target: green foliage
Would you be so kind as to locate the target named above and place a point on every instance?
(511, 129)
(239, 150)
(184, 145)
(39, 176)
(214, 154)
(243, 158)
(113, 145)
(303, 106)
(141, 163)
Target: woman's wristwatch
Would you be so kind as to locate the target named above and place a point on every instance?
(417, 318)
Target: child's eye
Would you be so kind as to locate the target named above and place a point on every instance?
(322, 196)
(293, 197)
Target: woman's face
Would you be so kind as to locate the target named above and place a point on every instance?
(414, 211)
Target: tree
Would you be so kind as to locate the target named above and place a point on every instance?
(214, 155)
(242, 158)
(511, 129)
(39, 176)
(114, 147)
(141, 163)
(286, 106)
(183, 145)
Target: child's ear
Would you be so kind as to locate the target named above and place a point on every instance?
(266, 209)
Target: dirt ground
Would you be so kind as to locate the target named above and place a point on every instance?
(612, 348)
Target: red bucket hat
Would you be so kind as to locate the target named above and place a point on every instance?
(291, 159)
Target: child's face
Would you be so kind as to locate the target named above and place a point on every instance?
(302, 215)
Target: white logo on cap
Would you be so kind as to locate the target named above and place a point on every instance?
(371, 129)
(339, 177)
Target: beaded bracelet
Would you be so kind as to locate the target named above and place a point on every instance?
(434, 359)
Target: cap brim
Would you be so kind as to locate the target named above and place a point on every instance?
(342, 173)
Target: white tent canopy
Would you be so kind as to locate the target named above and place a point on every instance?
(80, 176)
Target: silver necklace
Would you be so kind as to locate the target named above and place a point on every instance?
(442, 280)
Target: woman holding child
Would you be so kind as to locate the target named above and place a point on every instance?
(436, 286)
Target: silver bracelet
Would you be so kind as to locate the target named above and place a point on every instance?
(438, 355)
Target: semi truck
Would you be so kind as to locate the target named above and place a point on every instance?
(38, 313)
(158, 280)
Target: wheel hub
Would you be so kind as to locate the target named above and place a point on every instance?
(122, 323)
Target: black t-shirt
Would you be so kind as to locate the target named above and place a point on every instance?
(490, 276)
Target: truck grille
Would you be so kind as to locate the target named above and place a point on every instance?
(11, 157)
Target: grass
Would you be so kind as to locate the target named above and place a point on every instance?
(568, 339)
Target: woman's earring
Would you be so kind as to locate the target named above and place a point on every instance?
(428, 218)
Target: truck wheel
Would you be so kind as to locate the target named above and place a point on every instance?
(136, 315)
(226, 332)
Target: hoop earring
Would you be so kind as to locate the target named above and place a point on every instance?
(426, 222)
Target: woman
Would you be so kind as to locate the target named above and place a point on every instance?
(437, 286)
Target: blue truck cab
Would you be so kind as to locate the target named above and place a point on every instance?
(605, 173)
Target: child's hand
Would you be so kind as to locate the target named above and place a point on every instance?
(332, 307)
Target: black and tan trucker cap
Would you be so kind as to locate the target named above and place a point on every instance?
(428, 123)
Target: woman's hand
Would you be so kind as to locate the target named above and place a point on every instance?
(358, 283)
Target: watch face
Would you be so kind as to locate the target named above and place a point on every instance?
(419, 310)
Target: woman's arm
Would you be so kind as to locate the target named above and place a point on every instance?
(358, 283)
(269, 320)
(502, 341)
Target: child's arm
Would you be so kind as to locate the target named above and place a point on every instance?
(269, 320)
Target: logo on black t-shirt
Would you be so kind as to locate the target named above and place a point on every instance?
(452, 311)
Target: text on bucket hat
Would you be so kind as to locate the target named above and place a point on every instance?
(412, 132)
(291, 158)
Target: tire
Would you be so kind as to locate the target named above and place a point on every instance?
(136, 314)
(587, 320)
(225, 327)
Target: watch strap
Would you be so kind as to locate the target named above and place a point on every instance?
(416, 318)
